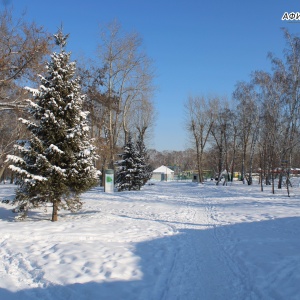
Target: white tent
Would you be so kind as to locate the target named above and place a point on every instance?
(163, 173)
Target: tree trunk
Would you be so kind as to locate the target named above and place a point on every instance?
(273, 182)
(2, 169)
(250, 181)
(243, 167)
(12, 178)
(220, 162)
(54, 211)
(261, 171)
(233, 160)
(288, 183)
(198, 162)
(232, 172)
(280, 179)
(102, 182)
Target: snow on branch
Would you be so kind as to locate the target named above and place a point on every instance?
(59, 170)
(34, 92)
(32, 104)
(12, 105)
(53, 148)
(27, 122)
(27, 174)
(14, 159)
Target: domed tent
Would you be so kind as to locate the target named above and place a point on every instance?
(163, 173)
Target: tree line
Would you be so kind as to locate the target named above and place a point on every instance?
(257, 130)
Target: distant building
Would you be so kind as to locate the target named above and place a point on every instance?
(163, 173)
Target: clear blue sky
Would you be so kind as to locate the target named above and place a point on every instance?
(198, 47)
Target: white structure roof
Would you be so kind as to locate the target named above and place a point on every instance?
(163, 169)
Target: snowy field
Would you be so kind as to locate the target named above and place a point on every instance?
(169, 241)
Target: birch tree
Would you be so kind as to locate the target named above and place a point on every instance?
(271, 125)
(248, 123)
(221, 134)
(127, 79)
(286, 76)
(199, 122)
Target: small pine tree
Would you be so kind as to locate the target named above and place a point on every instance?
(57, 163)
(145, 168)
(128, 168)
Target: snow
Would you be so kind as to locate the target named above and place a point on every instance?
(70, 135)
(14, 159)
(83, 114)
(34, 92)
(175, 240)
(59, 170)
(54, 148)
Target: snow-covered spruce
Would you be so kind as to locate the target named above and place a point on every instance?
(130, 168)
(56, 163)
(145, 173)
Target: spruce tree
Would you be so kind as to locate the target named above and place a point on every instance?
(145, 168)
(128, 167)
(56, 163)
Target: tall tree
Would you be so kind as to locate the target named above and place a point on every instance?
(222, 133)
(127, 80)
(143, 118)
(286, 79)
(57, 163)
(23, 46)
(200, 120)
(145, 173)
(248, 123)
(129, 168)
(271, 130)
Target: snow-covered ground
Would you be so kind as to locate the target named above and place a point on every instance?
(169, 241)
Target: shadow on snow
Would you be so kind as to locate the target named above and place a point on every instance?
(258, 260)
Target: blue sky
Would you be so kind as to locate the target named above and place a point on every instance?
(198, 47)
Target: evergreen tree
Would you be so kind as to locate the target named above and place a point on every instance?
(56, 164)
(128, 168)
(145, 168)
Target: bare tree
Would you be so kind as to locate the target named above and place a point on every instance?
(286, 76)
(143, 118)
(271, 130)
(248, 124)
(199, 122)
(128, 78)
(22, 47)
(221, 132)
